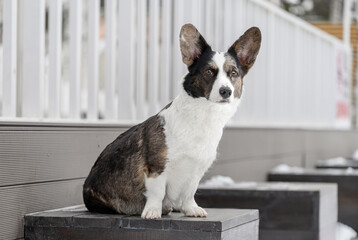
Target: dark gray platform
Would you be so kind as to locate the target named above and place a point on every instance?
(77, 223)
(287, 210)
(342, 163)
(347, 188)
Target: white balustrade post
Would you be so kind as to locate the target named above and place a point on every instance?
(209, 11)
(141, 59)
(218, 34)
(33, 58)
(126, 57)
(153, 57)
(75, 46)
(166, 50)
(55, 46)
(93, 38)
(178, 66)
(9, 58)
(228, 24)
(271, 67)
(110, 77)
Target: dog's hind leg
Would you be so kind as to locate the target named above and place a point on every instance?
(155, 192)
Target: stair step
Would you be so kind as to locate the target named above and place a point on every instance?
(287, 210)
(342, 163)
(77, 223)
(347, 181)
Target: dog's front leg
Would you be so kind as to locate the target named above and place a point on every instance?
(155, 192)
(190, 208)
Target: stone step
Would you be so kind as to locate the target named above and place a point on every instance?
(340, 163)
(287, 210)
(347, 188)
(77, 223)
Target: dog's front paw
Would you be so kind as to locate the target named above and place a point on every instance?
(151, 213)
(195, 212)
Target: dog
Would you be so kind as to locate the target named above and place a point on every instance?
(155, 167)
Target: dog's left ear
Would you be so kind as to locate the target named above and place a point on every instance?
(192, 44)
(247, 47)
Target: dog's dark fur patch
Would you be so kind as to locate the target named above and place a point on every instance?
(196, 83)
(197, 55)
(231, 64)
(116, 181)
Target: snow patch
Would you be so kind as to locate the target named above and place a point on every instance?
(335, 161)
(280, 186)
(245, 184)
(350, 171)
(344, 232)
(284, 168)
(218, 181)
(355, 155)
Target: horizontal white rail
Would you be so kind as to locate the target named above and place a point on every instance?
(122, 62)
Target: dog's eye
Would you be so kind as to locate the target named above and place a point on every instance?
(209, 72)
(233, 73)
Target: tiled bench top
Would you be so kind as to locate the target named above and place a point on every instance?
(77, 223)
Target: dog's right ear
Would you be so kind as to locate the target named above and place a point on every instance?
(192, 44)
(247, 47)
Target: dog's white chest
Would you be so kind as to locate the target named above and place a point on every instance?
(193, 129)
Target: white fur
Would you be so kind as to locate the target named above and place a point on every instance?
(155, 193)
(193, 129)
(221, 80)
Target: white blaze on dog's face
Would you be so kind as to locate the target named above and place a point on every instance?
(217, 76)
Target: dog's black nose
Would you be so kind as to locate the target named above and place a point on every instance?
(225, 92)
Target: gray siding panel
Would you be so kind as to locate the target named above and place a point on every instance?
(18, 200)
(241, 143)
(37, 156)
(246, 154)
(328, 144)
(43, 167)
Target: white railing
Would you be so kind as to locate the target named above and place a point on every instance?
(75, 72)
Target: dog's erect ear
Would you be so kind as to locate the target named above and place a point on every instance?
(247, 47)
(192, 44)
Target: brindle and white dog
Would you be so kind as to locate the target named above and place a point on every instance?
(156, 166)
